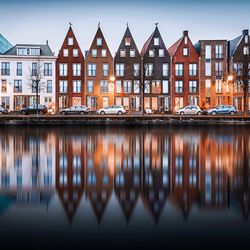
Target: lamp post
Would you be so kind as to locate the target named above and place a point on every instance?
(112, 79)
(230, 79)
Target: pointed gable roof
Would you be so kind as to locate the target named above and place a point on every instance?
(233, 44)
(99, 34)
(174, 47)
(132, 42)
(65, 45)
(147, 44)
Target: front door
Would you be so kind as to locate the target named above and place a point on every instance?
(105, 101)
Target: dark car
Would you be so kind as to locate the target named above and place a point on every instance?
(74, 110)
(32, 109)
(3, 111)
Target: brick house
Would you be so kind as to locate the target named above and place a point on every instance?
(127, 72)
(70, 73)
(99, 69)
(156, 73)
(214, 88)
(184, 72)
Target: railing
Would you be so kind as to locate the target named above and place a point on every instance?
(5, 72)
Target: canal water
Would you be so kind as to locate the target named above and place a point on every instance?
(75, 188)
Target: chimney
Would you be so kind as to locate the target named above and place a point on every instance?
(185, 33)
(245, 32)
(47, 42)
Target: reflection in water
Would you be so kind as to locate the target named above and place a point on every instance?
(156, 166)
(192, 171)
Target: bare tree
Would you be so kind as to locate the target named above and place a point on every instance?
(36, 80)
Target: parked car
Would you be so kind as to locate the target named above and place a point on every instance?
(222, 109)
(3, 110)
(189, 110)
(32, 109)
(114, 109)
(74, 110)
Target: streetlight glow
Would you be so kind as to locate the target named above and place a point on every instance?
(112, 78)
(230, 78)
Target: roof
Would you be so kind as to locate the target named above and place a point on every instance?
(146, 44)
(233, 44)
(198, 47)
(45, 49)
(174, 47)
(4, 44)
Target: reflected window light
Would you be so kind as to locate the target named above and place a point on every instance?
(77, 179)
(63, 162)
(165, 161)
(49, 161)
(147, 161)
(192, 179)
(119, 180)
(47, 179)
(19, 180)
(63, 180)
(149, 179)
(136, 161)
(178, 179)
(136, 180)
(118, 162)
(105, 180)
(192, 162)
(179, 162)
(129, 163)
(92, 179)
(77, 162)
(90, 163)
(165, 180)
(208, 188)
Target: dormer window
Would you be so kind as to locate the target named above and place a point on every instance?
(186, 40)
(70, 40)
(246, 50)
(127, 41)
(28, 51)
(151, 53)
(185, 51)
(246, 39)
(122, 53)
(99, 41)
(156, 41)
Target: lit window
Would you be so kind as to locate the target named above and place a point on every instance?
(161, 52)
(127, 41)
(70, 40)
(65, 52)
(246, 39)
(156, 41)
(119, 68)
(164, 86)
(99, 41)
(246, 50)
(94, 52)
(186, 40)
(104, 52)
(151, 53)
(122, 53)
(185, 51)
(75, 52)
(165, 69)
(132, 53)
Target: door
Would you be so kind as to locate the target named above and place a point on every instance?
(105, 102)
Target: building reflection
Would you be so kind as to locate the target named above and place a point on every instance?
(209, 170)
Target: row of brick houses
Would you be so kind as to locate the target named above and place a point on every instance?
(186, 73)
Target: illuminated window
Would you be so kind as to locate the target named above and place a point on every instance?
(127, 41)
(70, 40)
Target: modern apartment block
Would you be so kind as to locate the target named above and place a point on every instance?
(156, 73)
(18, 66)
(127, 73)
(99, 73)
(70, 73)
(184, 72)
(239, 63)
(214, 86)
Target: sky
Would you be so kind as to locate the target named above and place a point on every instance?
(35, 21)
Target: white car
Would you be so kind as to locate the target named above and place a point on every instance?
(114, 109)
(189, 110)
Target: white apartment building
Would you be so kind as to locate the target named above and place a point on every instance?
(17, 67)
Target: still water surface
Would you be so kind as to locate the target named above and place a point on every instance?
(80, 187)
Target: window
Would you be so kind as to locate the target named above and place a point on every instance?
(4, 86)
(238, 68)
(156, 87)
(178, 86)
(105, 68)
(63, 86)
(118, 86)
(208, 69)
(76, 86)
(94, 52)
(208, 51)
(76, 69)
(63, 69)
(5, 102)
(104, 53)
(151, 53)
(132, 53)
(136, 69)
(137, 86)
(119, 68)
(218, 86)
(103, 86)
(127, 41)
(34, 69)
(208, 85)
(156, 41)
(91, 69)
(192, 86)
(70, 40)
(186, 40)
(5, 69)
(99, 41)
(164, 87)
(246, 50)
(165, 69)
(146, 86)
(218, 69)
(161, 53)
(90, 86)
(148, 69)
(122, 53)
(28, 51)
(48, 69)
(192, 69)
(17, 86)
(179, 69)
(118, 101)
(246, 39)
(65, 52)
(75, 52)
(127, 86)
(218, 51)
(185, 51)
(49, 86)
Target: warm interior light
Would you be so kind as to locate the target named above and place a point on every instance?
(112, 78)
(230, 78)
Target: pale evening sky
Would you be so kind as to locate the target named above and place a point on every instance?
(35, 21)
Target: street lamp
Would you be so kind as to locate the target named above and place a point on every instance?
(112, 80)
